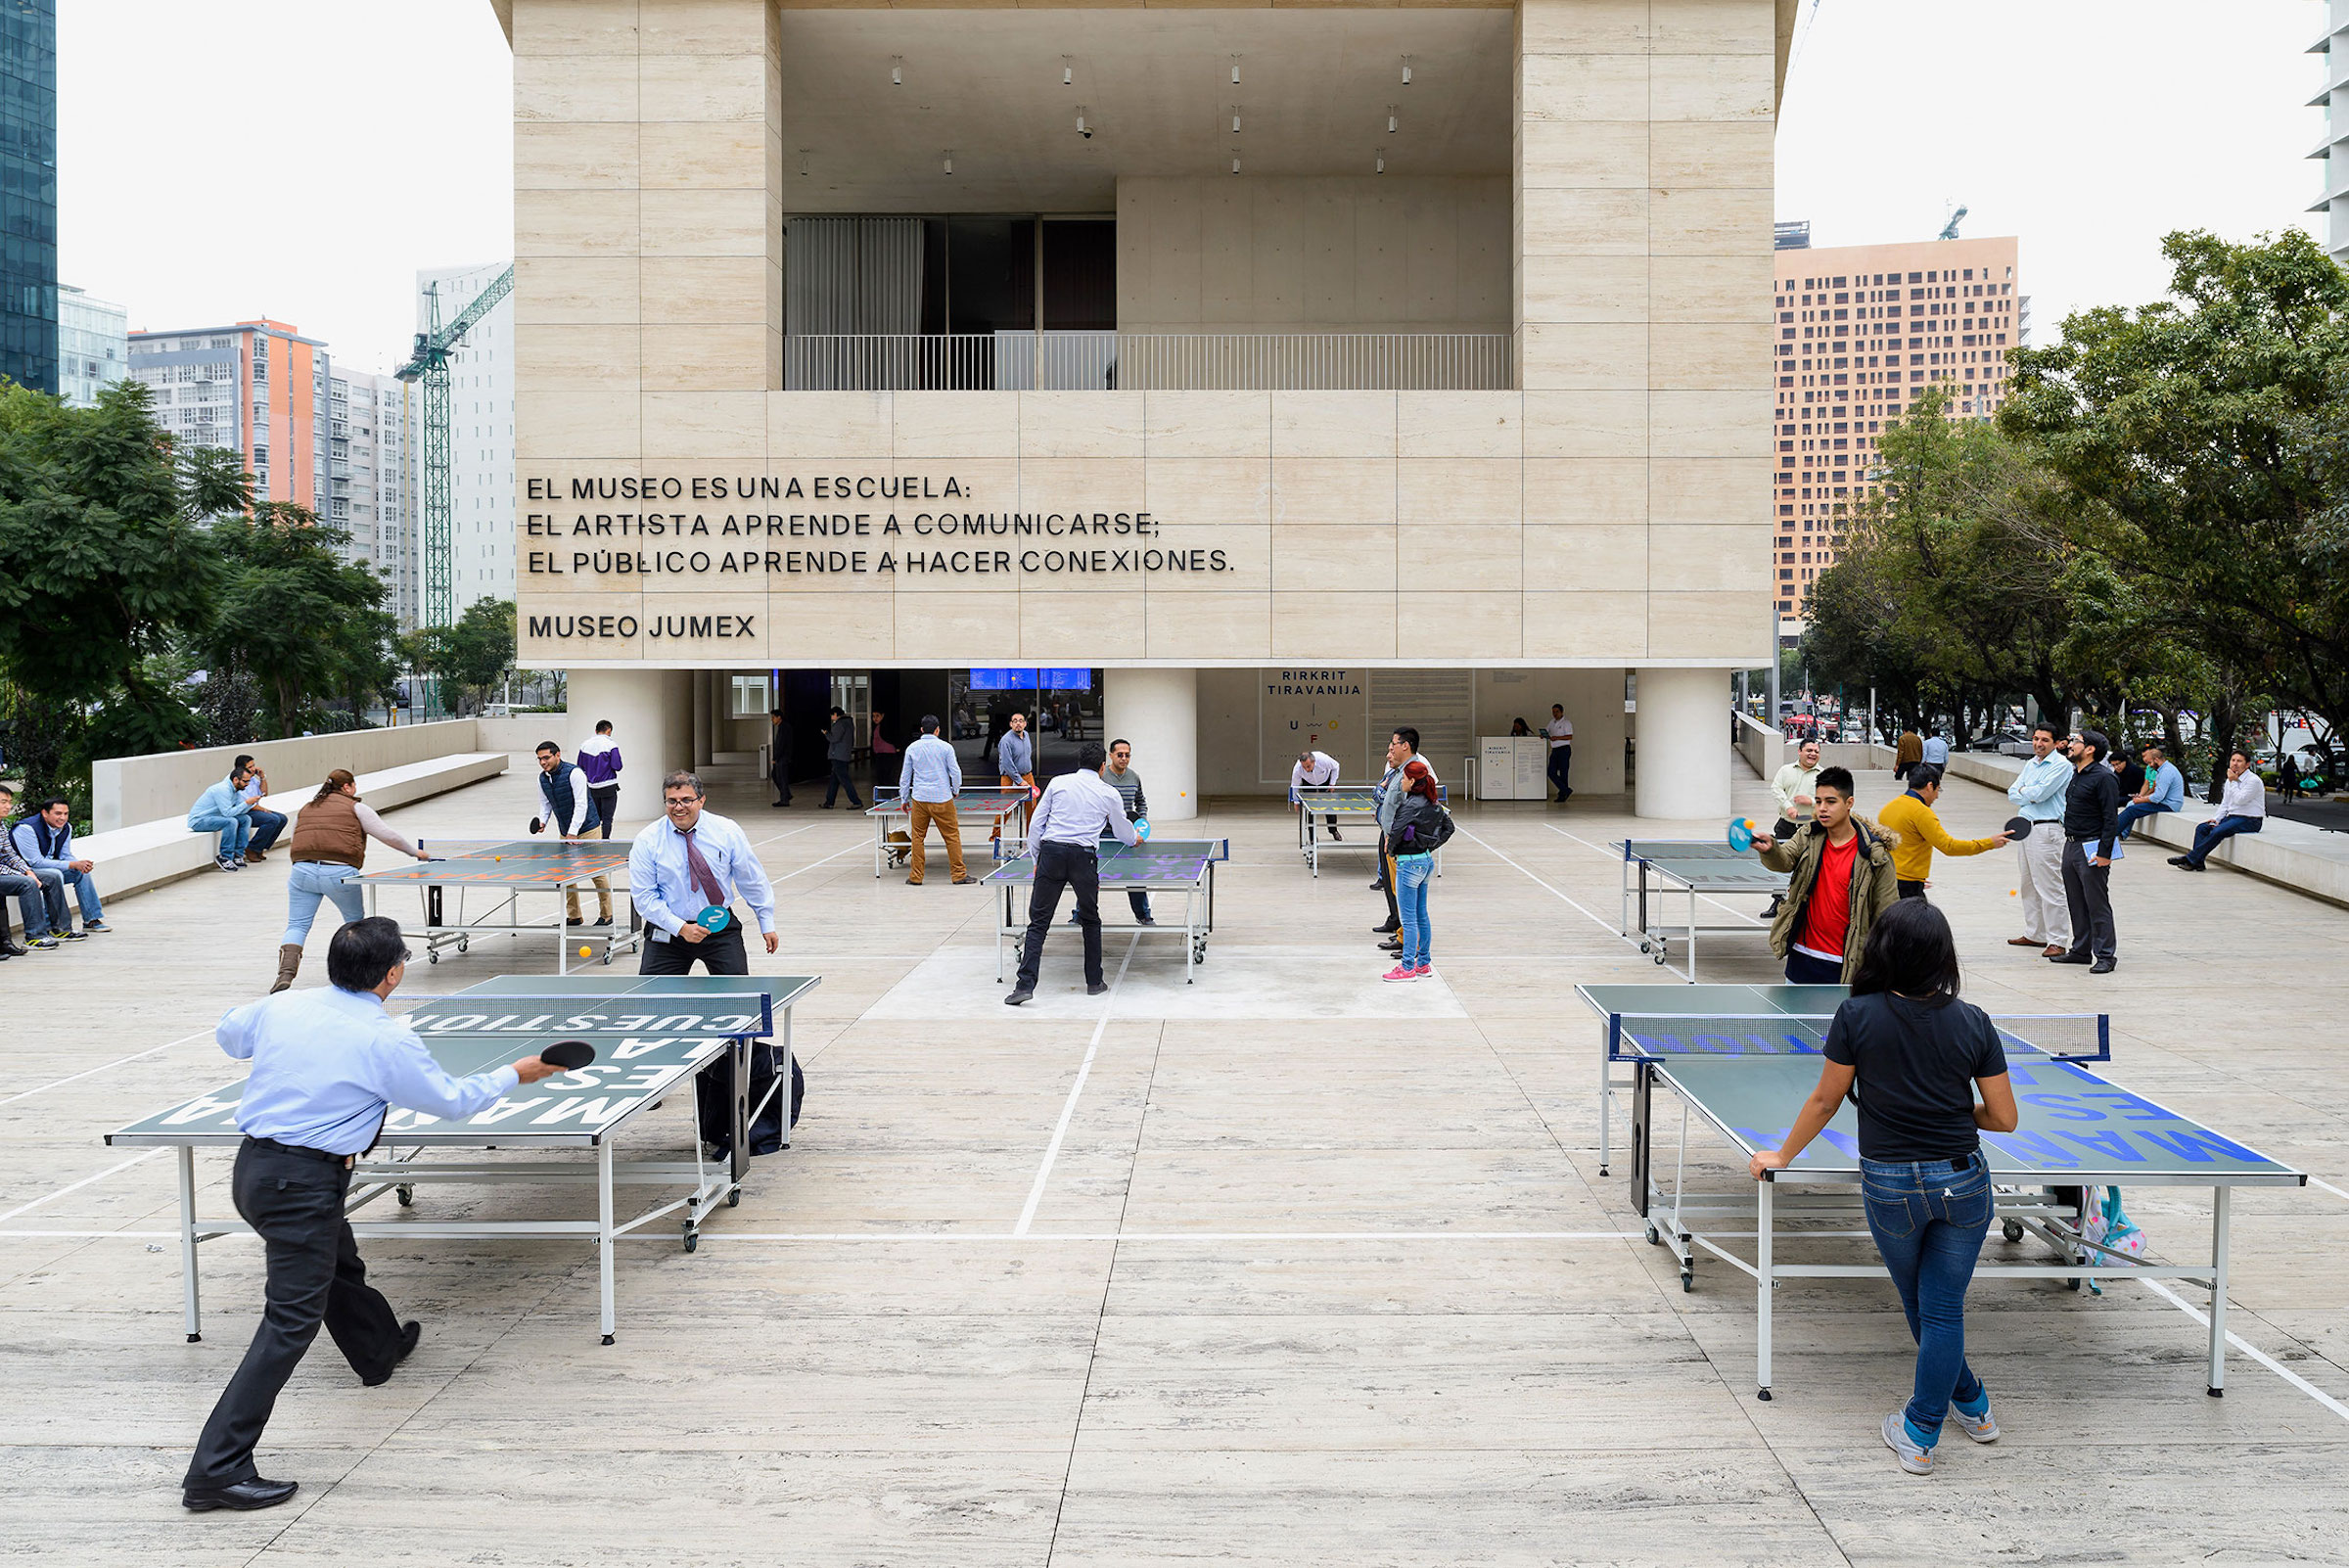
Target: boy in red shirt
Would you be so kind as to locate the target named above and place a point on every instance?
(1841, 878)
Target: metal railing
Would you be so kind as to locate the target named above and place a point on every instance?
(1149, 362)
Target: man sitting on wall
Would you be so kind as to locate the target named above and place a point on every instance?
(223, 809)
(45, 839)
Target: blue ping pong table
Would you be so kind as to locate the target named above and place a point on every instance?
(1321, 808)
(1658, 873)
(499, 874)
(1185, 866)
(651, 1033)
(1003, 810)
(1742, 1059)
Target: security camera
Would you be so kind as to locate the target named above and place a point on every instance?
(1086, 133)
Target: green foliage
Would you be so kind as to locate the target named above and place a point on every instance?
(304, 625)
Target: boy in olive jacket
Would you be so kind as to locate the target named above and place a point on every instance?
(1841, 878)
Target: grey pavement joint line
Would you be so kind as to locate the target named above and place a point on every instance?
(120, 1061)
(1044, 1171)
(76, 1187)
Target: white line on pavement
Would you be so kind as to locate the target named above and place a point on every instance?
(1044, 1171)
(996, 1237)
(1608, 926)
(2314, 1181)
(23, 1208)
(792, 833)
(2248, 1349)
(1617, 857)
(116, 1062)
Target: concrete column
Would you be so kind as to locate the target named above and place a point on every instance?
(1158, 711)
(652, 719)
(705, 725)
(1684, 744)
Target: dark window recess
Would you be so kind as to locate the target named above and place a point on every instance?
(1080, 276)
(991, 275)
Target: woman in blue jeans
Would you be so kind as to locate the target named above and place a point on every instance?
(329, 851)
(1917, 1054)
(1419, 827)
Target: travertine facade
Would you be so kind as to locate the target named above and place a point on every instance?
(1610, 509)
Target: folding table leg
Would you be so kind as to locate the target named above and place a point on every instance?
(603, 1227)
(187, 1240)
(1606, 1092)
(783, 1084)
(2219, 1204)
(1763, 1285)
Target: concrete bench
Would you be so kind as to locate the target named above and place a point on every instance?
(2290, 854)
(147, 854)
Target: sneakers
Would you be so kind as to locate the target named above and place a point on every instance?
(72, 936)
(1983, 1428)
(1423, 972)
(223, 862)
(1914, 1456)
(1401, 972)
(40, 943)
(95, 925)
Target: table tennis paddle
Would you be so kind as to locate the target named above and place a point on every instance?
(536, 824)
(2018, 827)
(569, 1054)
(1742, 834)
(1142, 827)
(713, 919)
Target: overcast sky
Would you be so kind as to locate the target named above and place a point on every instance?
(303, 159)
(2087, 127)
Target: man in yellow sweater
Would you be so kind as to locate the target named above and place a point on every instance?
(1910, 815)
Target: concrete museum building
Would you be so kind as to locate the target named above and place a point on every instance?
(1234, 372)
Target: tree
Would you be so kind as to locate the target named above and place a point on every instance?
(294, 615)
(2203, 443)
(480, 649)
(105, 556)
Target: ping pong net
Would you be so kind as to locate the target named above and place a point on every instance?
(1663, 1037)
(734, 1015)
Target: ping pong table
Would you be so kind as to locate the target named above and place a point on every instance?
(502, 873)
(651, 1034)
(1742, 1059)
(1170, 866)
(999, 808)
(1658, 872)
(1351, 806)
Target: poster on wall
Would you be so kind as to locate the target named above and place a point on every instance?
(1327, 709)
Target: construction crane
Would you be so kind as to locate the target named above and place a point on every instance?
(430, 365)
(1949, 230)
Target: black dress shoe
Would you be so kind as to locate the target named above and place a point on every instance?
(1389, 928)
(409, 1333)
(2102, 966)
(1102, 989)
(1018, 996)
(243, 1496)
(2073, 957)
(11, 948)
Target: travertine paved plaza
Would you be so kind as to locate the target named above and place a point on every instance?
(1318, 1271)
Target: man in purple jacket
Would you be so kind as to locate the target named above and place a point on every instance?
(599, 760)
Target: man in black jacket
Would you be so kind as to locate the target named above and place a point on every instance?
(840, 750)
(2092, 827)
(778, 757)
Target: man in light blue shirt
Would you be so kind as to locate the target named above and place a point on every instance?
(328, 1066)
(927, 783)
(687, 865)
(1937, 753)
(2164, 791)
(1077, 812)
(224, 809)
(2038, 795)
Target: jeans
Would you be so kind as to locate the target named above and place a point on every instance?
(1561, 769)
(2209, 835)
(85, 890)
(1412, 872)
(1804, 970)
(310, 881)
(267, 826)
(839, 781)
(1928, 1219)
(2135, 813)
(234, 831)
(41, 897)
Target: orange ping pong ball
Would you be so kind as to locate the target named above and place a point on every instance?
(584, 951)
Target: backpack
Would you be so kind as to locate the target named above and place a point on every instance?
(1429, 837)
(2103, 1222)
(713, 1087)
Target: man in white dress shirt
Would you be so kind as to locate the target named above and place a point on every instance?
(686, 864)
(328, 1065)
(928, 781)
(1316, 771)
(1077, 812)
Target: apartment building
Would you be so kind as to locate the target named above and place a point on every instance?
(1243, 372)
(258, 388)
(1861, 330)
(371, 447)
(93, 345)
(481, 435)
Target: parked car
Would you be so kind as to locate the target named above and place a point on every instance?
(2004, 742)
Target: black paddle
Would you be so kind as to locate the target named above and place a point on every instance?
(2018, 827)
(569, 1054)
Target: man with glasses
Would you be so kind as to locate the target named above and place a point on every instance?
(2038, 794)
(683, 872)
(2091, 830)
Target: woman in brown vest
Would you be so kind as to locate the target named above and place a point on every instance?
(330, 848)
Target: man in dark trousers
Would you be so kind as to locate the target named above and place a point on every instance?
(1077, 812)
(778, 758)
(2091, 830)
(328, 1065)
(840, 750)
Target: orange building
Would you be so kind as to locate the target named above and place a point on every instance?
(1862, 330)
(258, 388)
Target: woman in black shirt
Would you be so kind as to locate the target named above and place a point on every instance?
(1917, 1054)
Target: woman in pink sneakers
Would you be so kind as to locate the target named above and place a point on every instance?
(1422, 825)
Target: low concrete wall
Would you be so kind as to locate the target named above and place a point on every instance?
(148, 855)
(2290, 854)
(522, 733)
(1763, 748)
(128, 791)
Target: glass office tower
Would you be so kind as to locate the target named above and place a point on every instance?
(29, 192)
